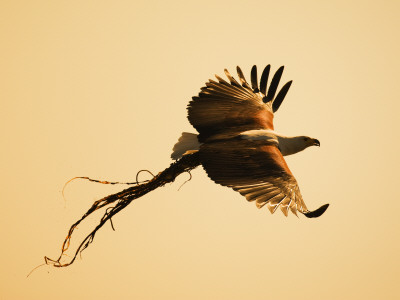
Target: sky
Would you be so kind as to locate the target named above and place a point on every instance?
(100, 89)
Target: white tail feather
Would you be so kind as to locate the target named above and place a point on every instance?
(187, 142)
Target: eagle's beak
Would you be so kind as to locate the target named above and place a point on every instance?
(316, 143)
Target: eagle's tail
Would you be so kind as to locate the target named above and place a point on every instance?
(188, 142)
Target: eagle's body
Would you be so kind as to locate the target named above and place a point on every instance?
(238, 145)
(189, 142)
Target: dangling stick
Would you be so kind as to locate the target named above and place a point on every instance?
(121, 200)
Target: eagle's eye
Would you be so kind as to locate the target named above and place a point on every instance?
(305, 139)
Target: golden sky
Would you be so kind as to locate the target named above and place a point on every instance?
(100, 88)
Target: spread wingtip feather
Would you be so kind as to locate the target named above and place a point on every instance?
(254, 79)
(274, 84)
(242, 78)
(264, 79)
(317, 213)
(281, 95)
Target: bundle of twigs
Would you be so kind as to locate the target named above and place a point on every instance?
(121, 200)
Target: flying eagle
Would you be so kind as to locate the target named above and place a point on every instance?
(237, 144)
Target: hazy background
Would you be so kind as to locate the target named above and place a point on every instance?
(100, 88)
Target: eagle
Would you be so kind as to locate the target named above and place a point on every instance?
(237, 144)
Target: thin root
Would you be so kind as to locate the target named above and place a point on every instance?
(102, 182)
(34, 269)
(111, 222)
(137, 176)
(190, 178)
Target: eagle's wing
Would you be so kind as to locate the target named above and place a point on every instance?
(223, 107)
(257, 171)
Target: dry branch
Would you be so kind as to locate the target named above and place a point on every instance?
(121, 200)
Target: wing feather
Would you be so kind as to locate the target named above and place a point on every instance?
(254, 80)
(242, 78)
(281, 95)
(256, 170)
(222, 81)
(222, 107)
(264, 79)
(231, 79)
(274, 85)
(274, 201)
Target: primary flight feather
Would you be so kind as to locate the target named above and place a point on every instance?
(237, 144)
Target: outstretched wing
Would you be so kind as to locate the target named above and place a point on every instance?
(224, 108)
(258, 172)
